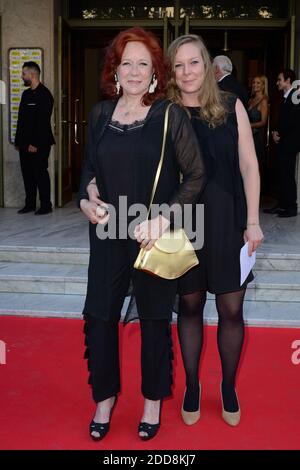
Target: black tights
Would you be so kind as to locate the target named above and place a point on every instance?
(230, 338)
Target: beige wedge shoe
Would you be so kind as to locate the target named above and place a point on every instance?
(191, 417)
(231, 418)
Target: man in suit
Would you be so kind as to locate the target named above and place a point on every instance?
(287, 138)
(227, 82)
(34, 139)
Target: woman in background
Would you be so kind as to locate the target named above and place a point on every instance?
(258, 112)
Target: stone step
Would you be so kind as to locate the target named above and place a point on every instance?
(277, 262)
(49, 255)
(43, 278)
(41, 305)
(80, 256)
(280, 286)
(71, 279)
(272, 314)
(262, 313)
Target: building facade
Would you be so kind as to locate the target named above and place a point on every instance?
(260, 37)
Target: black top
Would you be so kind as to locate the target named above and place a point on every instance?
(231, 84)
(289, 125)
(221, 157)
(254, 113)
(224, 209)
(220, 151)
(182, 154)
(255, 116)
(258, 134)
(118, 156)
(34, 119)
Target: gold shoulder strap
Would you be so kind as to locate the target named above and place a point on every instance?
(158, 171)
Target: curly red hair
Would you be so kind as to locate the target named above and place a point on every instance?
(113, 58)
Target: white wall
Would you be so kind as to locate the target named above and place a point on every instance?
(25, 23)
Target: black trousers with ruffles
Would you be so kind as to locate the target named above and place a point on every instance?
(102, 341)
(151, 303)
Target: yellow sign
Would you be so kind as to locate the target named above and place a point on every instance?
(17, 57)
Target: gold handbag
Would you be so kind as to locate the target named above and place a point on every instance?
(172, 255)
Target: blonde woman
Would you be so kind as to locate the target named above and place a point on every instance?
(258, 114)
(231, 202)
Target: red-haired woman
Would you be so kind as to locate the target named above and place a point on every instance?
(123, 151)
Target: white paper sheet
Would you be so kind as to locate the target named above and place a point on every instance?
(246, 262)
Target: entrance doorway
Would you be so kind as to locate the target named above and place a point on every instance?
(255, 47)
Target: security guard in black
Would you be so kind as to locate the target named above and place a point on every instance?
(34, 138)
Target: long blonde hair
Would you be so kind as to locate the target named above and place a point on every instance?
(264, 81)
(213, 102)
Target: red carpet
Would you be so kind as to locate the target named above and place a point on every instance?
(46, 402)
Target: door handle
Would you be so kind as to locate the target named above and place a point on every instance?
(76, 103)
(187, 25)
(268, 128)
